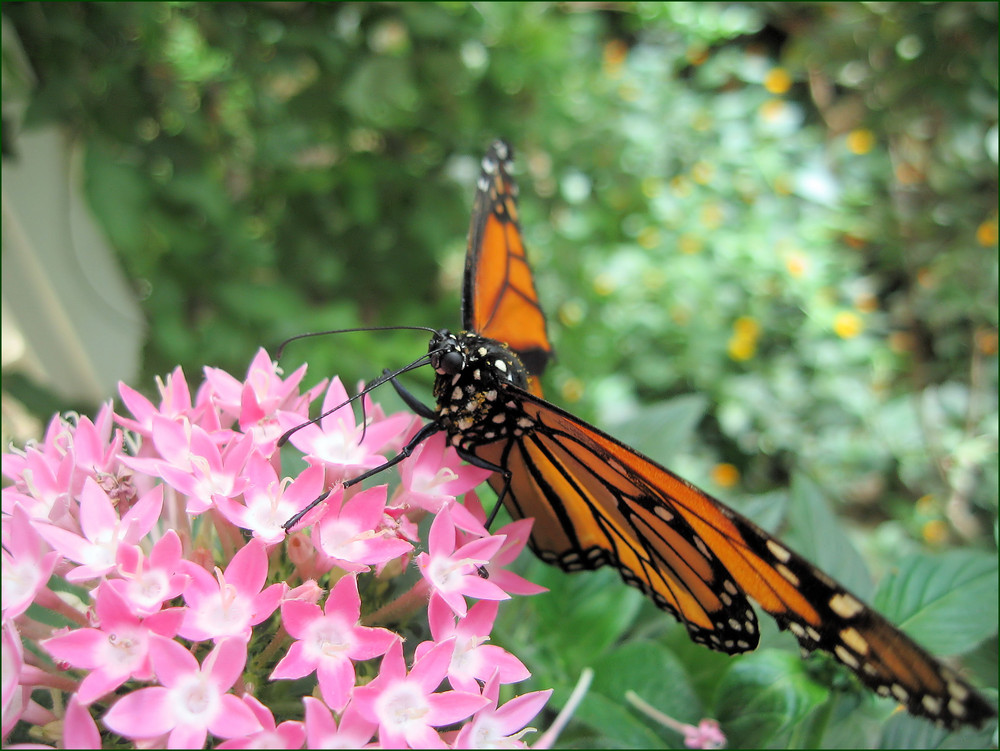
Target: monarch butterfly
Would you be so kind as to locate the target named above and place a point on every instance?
(596, 502)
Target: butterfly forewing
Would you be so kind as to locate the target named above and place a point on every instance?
(499, 298)
(598, 502)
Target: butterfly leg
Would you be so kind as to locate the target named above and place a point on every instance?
(411, 401)
(423, 434)
(477, 461)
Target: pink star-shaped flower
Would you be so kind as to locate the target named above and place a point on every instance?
(351, 534)
(27, 564)
(230, 604)
(193, 464)
(192, 700)
(146, 583)
(453, 573)
(322, 731)
(340, 445)
(118, 649)
(289, 734)
(175, 402)
(103, 531)
(434, 475)
(501, 727)
(473, 661)
(405, 706)
(267, 502)
(329, 642)
(255, 401)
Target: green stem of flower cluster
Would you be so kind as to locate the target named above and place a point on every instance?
(402, 607)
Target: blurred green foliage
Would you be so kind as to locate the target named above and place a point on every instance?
(765, 233)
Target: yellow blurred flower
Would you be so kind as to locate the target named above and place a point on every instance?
(712, 215)
(741, 348)
(847, 324)
(926, 504)
(604, 284)
(701, 172)
(681, 186)
(986, 341)
(860, 141)
(777, 81)
(773, 110)
(572, 390)
(570, 313)
(615, 53)
(651, 187)
(746, 327)
(725, 475)
(702, 120)
(986, 233)
(783, 185)
(649, 238)
(690, 244)
(935, 532)
(797, 264)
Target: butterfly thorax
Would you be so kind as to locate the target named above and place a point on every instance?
(474, 375)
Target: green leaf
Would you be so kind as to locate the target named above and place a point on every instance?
(764, 695)
(582, 614)
(656, 677)
(946, 602)
(664, 429)
(906, 731)
(118, 194)
(819, 536)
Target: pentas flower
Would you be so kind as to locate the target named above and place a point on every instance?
(473, 661)
(501, 727)
(329, 642)
(230, 603)
(192, 700)
(406, 706)
(267, 503)
(103, 531)
(435, 476)
(352, 534)
(175, 402)
(454, 573)
(323, 731)
(289, 734)
(118, 649)
(27, 563)
(161, 542)
(338, 443)
(193, 463)
(516, 534)
(147, 583)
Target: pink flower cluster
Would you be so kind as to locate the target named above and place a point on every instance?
(150, 589)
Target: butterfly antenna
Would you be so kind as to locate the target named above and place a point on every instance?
(364, 422)
(289, 340)
(384, 378)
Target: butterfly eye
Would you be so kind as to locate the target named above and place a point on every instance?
(450, 362)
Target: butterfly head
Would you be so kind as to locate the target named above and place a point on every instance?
(473, 374)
